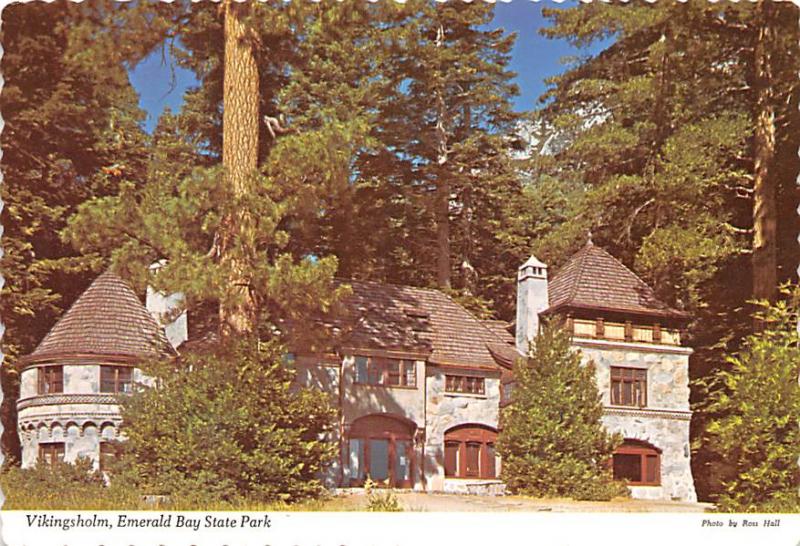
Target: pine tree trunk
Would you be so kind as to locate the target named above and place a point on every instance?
(442, 207)
(764, 196)
(240, 160)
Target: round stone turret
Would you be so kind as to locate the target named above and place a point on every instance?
(71, 384)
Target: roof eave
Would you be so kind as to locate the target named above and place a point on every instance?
(669, 314)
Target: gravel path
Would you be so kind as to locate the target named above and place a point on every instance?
(442, 502)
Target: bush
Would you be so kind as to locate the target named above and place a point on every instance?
(552, 441)
(228, 426)
(63, 486)
(385, 501)
(754, 436)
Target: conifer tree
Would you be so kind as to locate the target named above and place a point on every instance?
(72, 131)
(552, 440)
(227, 425)
(754, 437)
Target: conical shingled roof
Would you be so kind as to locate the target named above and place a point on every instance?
(594, 279)
(106, 320)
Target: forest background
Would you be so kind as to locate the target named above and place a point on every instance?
(404, 151)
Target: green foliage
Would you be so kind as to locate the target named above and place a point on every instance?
(552, 441)
(380, 501)
(71, 131)
(754, 434)
(64, 486)
(229, 426)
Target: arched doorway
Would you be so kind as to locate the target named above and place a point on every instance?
(469, 452)
(381, 447)
(637, 462)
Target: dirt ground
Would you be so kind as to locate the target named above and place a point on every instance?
(442, 502)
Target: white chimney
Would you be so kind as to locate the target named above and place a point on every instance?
(166, 310)
(531, 300)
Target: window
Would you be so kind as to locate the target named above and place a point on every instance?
(380, 447)
(451, 458)
(507, 392)
(388, 372)
(628, 387)
(473, 467)
(51, 379)
(465, 384)
(469, 452)
(638, 463)
(51, 452)
(116, 379)
(108, 454)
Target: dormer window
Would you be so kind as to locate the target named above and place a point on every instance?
(116, 379)
(50, 380)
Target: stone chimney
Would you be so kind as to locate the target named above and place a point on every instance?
(531, 300)
(166, 310)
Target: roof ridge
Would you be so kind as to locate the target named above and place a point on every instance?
(386, 283)
(72, 305)
(584, 252)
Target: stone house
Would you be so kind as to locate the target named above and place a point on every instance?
(418, 379)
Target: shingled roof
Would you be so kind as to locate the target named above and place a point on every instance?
(107, 320)
(593, 279)
(417, 320)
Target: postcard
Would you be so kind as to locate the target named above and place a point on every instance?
(400, 272)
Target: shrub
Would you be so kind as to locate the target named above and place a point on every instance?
(384, 501)
(63, 486)
(227, 426)
(756, 400)
(552, 441)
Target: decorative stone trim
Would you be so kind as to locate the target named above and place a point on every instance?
(62, 418)
(60, 399)
(678, 415)
(628, 346)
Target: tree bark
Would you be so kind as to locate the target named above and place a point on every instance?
(764, 185)
(240, 159)
(442, 206)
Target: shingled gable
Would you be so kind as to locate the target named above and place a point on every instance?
(108, 321)
(594, 280)
(419, 321)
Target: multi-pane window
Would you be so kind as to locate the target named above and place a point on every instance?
(116, 379)
(465, 384)
(51, 452)
(51, 379)
(389, 372)
(628, 386)
(469, 452)
(637, 463)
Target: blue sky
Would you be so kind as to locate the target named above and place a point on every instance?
(534, 59)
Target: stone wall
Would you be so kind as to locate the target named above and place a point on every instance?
(79, 417)
(312, 372)
(664, 422)
(447, 410)
(670, 434)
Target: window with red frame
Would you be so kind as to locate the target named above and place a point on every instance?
(628, 387)
(389, 372)
(116, 379)
(464, 384)
(51, 452)
(638, 463)
(469, 452)
(50, 379)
